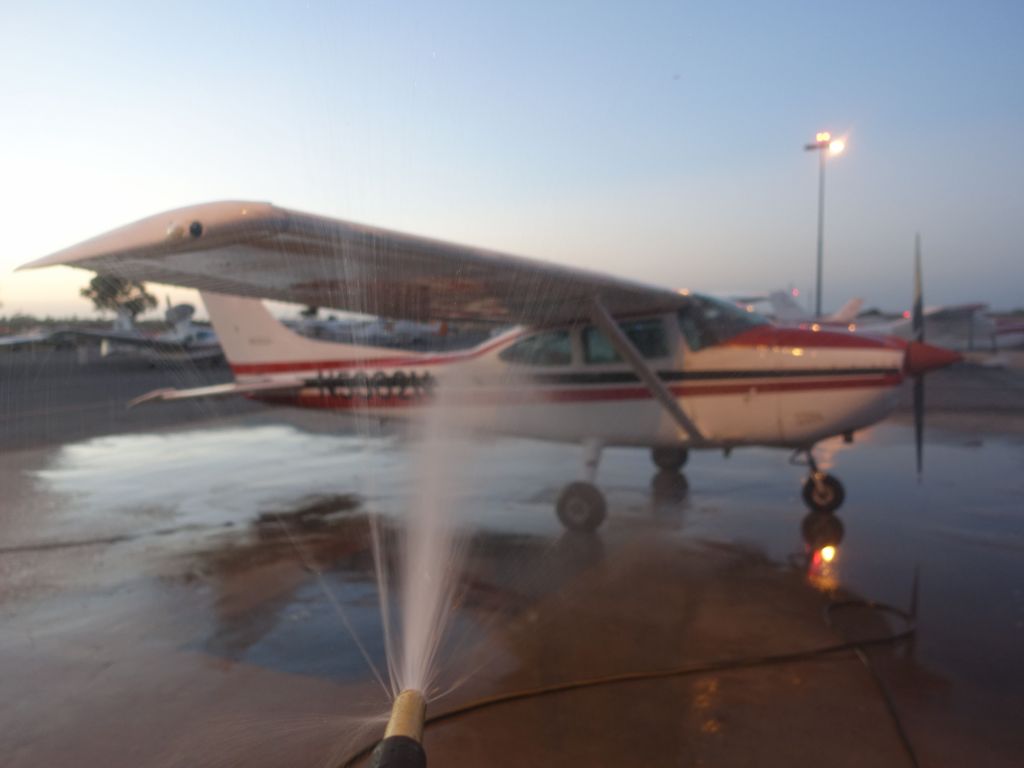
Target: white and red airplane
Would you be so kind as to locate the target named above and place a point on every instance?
(596, 360)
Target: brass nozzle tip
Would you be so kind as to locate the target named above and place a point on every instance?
(407, 714)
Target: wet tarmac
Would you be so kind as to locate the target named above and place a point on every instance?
(48, 396)
(167, 596)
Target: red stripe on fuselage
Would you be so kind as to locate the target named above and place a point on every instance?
(580, 394)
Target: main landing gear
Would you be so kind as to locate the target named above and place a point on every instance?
(669, 458)
(581, 506)
(822, 492)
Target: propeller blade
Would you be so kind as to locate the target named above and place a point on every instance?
(919, 421)
(918, 310)
(918, 328)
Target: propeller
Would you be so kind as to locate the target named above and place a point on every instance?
(917, 325)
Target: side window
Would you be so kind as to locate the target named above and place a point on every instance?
(549, 348)
(647, 335)
(597, 350)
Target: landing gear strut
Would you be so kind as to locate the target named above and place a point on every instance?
(581, 506)
(822, 492)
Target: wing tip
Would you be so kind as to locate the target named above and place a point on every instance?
(160, 228)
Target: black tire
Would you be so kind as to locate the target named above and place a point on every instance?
(669, 458)
(826, 497)
(581, 507)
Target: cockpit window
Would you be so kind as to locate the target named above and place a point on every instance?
(707, 321)
(647, 335)
(548, 348)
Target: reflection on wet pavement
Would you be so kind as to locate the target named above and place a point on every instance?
(191, 550)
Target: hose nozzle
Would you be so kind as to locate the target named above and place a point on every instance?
(400, 747)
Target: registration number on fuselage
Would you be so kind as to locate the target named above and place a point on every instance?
(376, 384)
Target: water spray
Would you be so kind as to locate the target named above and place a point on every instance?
(401, 747)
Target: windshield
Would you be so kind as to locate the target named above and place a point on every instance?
(709, 321)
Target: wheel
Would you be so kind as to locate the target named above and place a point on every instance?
(671, 458)
(581, 507)
(825, 495)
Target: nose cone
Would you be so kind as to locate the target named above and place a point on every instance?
(921, 358)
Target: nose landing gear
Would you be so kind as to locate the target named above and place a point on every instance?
(822, 492)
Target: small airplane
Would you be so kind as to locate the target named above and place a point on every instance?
(788, 312)
(32, 337)
(594, 359)
(1009, 333)
(186, 341)
(959, 326)
(782, 308)
(374, 331)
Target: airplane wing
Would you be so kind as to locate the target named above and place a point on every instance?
(129, 339)
(954, 311)
(25, 339)
(259, 250)
(276, 386)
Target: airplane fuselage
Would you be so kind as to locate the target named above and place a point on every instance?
(764, 386)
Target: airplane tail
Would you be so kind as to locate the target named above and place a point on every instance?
(253, 339)
(179, 317)
(785, 308)
(847, 313)
(123, 321)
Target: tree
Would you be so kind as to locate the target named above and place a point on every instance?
(110, 292)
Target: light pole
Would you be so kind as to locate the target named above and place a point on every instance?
(824, 145)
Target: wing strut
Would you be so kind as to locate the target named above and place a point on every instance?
(603, 320)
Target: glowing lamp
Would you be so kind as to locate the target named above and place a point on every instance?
(836, 147)
(828, 553)
(823, 136)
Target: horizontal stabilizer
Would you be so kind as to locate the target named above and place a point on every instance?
(219, 390)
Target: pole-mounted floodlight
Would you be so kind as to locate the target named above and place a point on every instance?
(824, 145)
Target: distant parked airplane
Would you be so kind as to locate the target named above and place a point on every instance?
(788, 312)
(184, 342)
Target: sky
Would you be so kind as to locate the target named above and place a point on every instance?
(657, 141)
